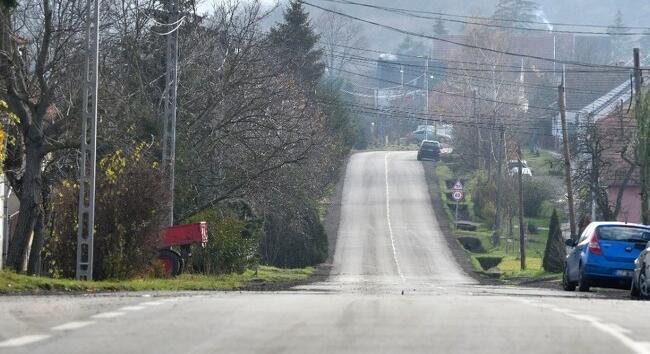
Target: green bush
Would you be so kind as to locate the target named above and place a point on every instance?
(233, 236)
(128, 217)
(536, 192)
(294, 238)
(483, 197)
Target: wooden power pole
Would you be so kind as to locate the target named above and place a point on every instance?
(522, 230)
(497, 217)
(567, 157)
(642, 134)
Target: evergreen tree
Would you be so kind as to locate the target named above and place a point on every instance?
(296, 41)
(516, 10)
(617, 37)
(555, 251)
(439, 28)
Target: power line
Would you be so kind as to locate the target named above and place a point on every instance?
(509, 20)
(364, 61)
(471, 46)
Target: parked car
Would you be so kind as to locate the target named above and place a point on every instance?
(429, 149)
(641, 279)
(513, 168)
(604, 255)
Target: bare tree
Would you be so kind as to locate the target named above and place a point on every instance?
(40, 49)
(341, 40)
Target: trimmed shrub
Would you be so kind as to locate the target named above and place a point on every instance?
(489, 262)
(471, 244)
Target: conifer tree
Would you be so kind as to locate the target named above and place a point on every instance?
(296, 41)
(555, 251)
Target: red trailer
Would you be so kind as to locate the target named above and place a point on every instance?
(183, 237)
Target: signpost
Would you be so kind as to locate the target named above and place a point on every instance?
(457, 194)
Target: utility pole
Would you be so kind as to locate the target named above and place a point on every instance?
(642, 124)
(478, 131)
(86, 216)
(567, 156)
(522, 234)
(169, 114)
(426, 95)
(497, 217)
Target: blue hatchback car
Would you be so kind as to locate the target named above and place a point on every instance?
(604, 255)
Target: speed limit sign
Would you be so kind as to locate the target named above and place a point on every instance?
(457, 195)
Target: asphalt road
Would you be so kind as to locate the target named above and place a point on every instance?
(395, 287)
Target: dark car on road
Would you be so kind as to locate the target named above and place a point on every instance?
(641, 279)
(429, 149)
(604, 255)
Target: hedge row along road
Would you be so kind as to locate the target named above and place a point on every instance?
(395, 286)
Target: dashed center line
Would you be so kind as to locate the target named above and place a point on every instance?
(132, 308)
(390, 227)
(24, 340)
(72, 325)
(108, 315)
(152, 303)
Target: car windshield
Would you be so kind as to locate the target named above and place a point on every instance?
(429, 144)
(623, 233)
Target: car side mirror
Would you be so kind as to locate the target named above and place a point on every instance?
(570, 242)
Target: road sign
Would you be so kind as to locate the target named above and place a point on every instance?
(458, 186)
(457, 195)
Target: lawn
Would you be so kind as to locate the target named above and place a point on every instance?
(16, 283)
(543, 164)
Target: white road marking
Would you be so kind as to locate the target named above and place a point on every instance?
(390, 227)
(131, 308)
(24, 340)
(152, 303)
(108, 315)
(72, 325)
(613, 329)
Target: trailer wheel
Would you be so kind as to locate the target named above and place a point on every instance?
(171, 261)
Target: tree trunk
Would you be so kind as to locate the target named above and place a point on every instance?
(34, 265)
(30, 208)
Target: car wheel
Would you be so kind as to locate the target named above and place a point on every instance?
(583, 283)
(634, 291)
(644, 289)
(566, 284)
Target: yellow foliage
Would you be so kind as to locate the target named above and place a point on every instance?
(114, 164)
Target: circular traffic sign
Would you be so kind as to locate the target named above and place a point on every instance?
(457, 195)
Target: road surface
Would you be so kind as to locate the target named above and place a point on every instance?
(394, 287)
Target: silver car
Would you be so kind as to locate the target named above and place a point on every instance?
(641, 279)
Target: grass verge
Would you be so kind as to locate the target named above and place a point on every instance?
(508, 269)
(266, 278)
